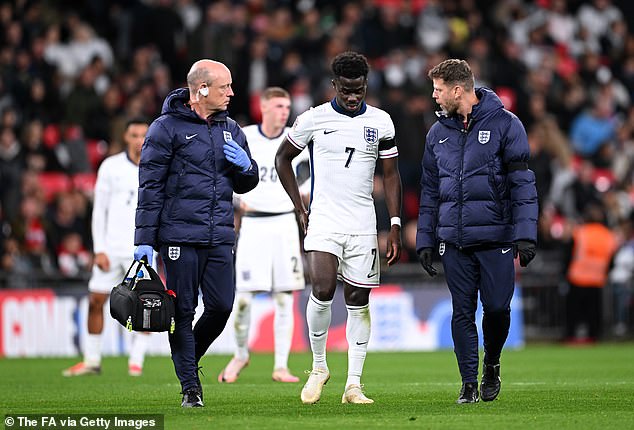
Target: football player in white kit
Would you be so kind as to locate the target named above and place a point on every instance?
(268, 255)
(113, 217)
(345, 137)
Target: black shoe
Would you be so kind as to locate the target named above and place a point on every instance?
(468, 393)
(192, 398)
(199, 371)
(491, 382)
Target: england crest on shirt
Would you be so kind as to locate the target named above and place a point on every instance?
(371, 135)
(484, 136)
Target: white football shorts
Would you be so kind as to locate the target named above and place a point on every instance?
(268, 254)
(104, 281)
(358, 256)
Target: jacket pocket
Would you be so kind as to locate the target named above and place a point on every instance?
(497, 191)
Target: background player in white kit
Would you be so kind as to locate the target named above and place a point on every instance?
(345, 137)
(113, 243)
(268, 255)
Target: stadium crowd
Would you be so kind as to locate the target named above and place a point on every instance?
(71, 73)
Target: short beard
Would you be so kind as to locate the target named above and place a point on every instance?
(451, 110)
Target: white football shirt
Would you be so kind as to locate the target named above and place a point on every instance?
(115, 204)
(343, 152)
(269, 195)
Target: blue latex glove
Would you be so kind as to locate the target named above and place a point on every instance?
(236, 155)
(144, 251)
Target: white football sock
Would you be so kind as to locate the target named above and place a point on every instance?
(358, 335)
(283, 328)
(138, 348)
(318, 315)
(92, 350)
(242, 323)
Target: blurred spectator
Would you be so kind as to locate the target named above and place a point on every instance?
(592, 132)
(64, 219)
(541, 163)
(561, 24)
(73, 258)
(76, 55)
(83, 104)
(216, 36)
(592, 247)
(581, 192)
(14, 261)
(11, 168)
(37, 156)
(432, 28)
(30, 230)
(622, 280)
(158, 23)
(597, 19)
(71, 151)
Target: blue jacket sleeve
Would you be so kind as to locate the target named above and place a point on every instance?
(521, 183)
(428, 209)
(156, 157)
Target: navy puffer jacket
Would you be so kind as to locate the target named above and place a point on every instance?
(185, 182)
(475, 188)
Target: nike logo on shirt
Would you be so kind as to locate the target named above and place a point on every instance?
(191, 136)
(443, 140)
(504, 251)
(361, 343)
(328, 131)
(319, 334)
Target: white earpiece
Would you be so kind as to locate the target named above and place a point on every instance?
(204, 91)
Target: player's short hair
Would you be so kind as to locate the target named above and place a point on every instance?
(350, 65)
(136, 120)
(272, 92)
(454, 72)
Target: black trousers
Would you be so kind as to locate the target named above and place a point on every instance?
(491, 273)
(189, 269)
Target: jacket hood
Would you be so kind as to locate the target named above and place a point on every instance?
(489, 102)
(176, 103)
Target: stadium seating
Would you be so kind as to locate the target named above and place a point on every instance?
(84, 182)
(53, 183)
(96, 150)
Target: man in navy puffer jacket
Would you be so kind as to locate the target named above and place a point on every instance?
(194, 157)
(479, 206)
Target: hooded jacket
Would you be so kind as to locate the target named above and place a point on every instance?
(476, 188)
(185, 182)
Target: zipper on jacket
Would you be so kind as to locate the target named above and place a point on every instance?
(214, 200)
(463, 143)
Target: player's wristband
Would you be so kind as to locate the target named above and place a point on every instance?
(395, 220)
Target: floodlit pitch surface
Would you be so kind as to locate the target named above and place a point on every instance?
(543, 386)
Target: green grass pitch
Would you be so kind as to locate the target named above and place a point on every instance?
(543, 387)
